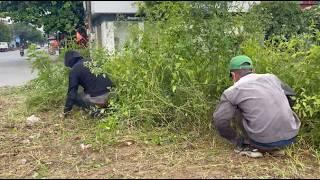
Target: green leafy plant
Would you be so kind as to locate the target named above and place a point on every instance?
(281, 18)
(54, 16)
(296, 62)
(172, 72)
(5, 34)
(49, 89)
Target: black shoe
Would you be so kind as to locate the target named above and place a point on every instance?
(248, 150)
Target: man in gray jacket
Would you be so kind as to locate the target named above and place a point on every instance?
(260, 106)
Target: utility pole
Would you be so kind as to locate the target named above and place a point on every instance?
(89, 24)
(88, 18)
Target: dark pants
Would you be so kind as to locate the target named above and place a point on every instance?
(263, 147)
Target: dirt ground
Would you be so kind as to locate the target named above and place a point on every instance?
(51, 148)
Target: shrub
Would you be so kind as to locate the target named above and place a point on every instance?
(296, 62)
(281, 18)
(49, 89)
(172, 72)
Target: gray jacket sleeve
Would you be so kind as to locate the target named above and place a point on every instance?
(222, 118)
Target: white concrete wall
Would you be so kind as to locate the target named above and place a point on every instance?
(120, 33)
(107, 33)
(110, 31)
(113, 7)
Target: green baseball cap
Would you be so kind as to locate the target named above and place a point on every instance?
(238, 62)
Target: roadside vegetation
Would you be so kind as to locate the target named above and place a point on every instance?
(168, 77)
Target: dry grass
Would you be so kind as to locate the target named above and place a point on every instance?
(52, 149)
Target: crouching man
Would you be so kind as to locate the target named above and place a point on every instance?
(260, 106)
(95, 88)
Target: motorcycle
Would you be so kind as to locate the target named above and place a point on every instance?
(21, 53)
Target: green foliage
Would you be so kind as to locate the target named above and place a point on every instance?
(312, 16)
(63, 16)
(27, 33)
(296, 62)
(281, 18)
(5, 34)
(172, 73)
(49, 89)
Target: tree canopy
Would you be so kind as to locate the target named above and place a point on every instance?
(281, 18)
(63, 16)
(27, 32)
(5, 34)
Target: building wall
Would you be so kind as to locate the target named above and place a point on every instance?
(110, 23)
(98, 34)
(108, 33)
(107, 30)
(112, 35)
(113, 7)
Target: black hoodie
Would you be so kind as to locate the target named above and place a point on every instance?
(81, 75)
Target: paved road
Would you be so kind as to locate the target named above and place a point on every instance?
(14, 69)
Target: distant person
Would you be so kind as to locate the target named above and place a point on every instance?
(95, 88)
(261, 107)
(21, 51)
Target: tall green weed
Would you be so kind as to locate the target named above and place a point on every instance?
(295, 62)
(49, 89)
(172, 72)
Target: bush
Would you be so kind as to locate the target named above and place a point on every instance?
(49, 89)
(296, 62)
(281, 18)
(172, 72)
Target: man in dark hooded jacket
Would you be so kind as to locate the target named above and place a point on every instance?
(96, 88)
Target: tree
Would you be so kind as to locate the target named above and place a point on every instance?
(63, 16)
(202, 8)
(26, 32)
(5, 34)
(280, 18)
(313, 17)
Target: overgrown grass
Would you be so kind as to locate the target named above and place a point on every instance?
(54, 150)
(171, 74)
(295, 62)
